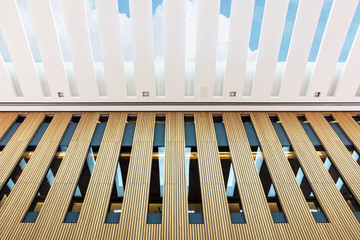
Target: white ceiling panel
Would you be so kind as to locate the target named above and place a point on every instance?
(142, 35)
(111, 48)
(6, 92)
(269, 46)
(174, 30)
(336, 30)
(206, 43)
(239, 36)
(78, 33)
(19, 49)
(44, 27)
(300, 45)
(350, 80)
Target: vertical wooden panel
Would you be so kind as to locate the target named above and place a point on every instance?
(175, 220)
(136, 196)
(31, 178)
(215, 206)
(60, 194)
(253, 199)
(6, 120)
(338, 153)
(17, 145)
(96, 202)
(336, 209)
(291, 198)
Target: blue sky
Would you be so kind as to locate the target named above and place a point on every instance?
(158, 31)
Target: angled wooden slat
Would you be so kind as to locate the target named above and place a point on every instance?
(49, 46)
(206, 45)
(19, 49)
(174, 59)
(78, 34)
(349, 81)
(325, 190)
(269, 46)
(349, 126)
(217, 221)
(338, 153)
(335, 33)
(239, 36)
(98, 194)
(253, 199)
(30, 180)
(6, 120)
(56, 204)
(136, 196)
(292, 201)
(17, 145)
(109, 29)
(142, 36)
(303, 33)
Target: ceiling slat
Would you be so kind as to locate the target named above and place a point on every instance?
(78, 34)
(349, 82)
(45, 31)
(19, 49)
(142, 35)
(6, 92)
(206, 43)
(269, 47)
(303, 34)
(336, 30)
(174, 29)
(239, 36)
(110, 36)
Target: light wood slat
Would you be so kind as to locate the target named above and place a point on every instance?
(6, 120)
(336, 209)
(112, 53)
(349, 127)
(15, 148)
(175, 204)
(206, 45)
(253, 199)
(269, 45)
(136, 196)
(292, 201)
(215, 206)
(60, 194)
(338, 153)
(20, 198)
(174, 48)
(96, 202)
(19, 49)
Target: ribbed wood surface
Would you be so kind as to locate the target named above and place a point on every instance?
(343, 222)
(175, 223)
(291, 198)
(18, 144)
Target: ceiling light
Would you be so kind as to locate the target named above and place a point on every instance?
(146, 94)
(60, 94)
(317, 94)
(232, 94)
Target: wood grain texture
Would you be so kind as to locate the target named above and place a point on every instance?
(6, 120)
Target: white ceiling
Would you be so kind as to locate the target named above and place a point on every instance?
(109, 85)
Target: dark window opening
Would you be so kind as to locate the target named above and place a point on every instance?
(356, 118)
(274, 119)
(131, 119)
(20, 119)
(160, 119)
(48, 119)
(330, 119)
(75, 119)
(103, 119)
(189, 119)
(217, 119)
(246, 119)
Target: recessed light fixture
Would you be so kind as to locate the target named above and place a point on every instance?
(317, 94)
(232, 94)
(60, 94)
(146, 94)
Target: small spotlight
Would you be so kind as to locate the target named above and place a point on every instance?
(60, 94)
(232, 94)
(317, 94)
(146, 94)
